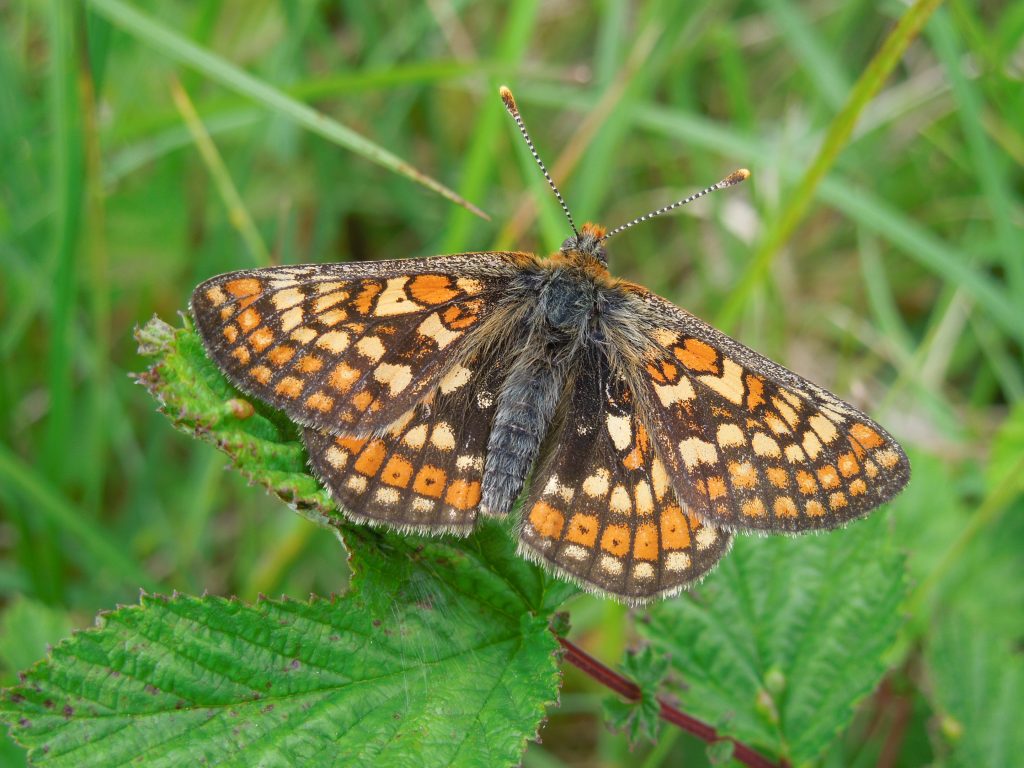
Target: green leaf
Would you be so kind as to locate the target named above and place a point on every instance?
(978, 685)
(263, 445)
(440, 654)
(786, 636)
(639, 720)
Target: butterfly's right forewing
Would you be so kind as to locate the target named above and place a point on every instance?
(348, 348)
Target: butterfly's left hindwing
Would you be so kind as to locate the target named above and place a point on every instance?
(751, 444)
(602, 509)
(348, 348)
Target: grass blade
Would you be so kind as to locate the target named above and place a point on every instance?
(838, 134)
(230, 76)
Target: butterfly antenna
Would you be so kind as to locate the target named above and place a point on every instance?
(510, 105)
(731, 180)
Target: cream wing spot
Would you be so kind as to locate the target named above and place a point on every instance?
(643, 571)
(287, 298)
(576, 552)
(677, 561)
(620, 501)
(729, 385)
(356, 483)
(659, 477)
(826, 429)
(706, 536)
(596, 485)
(794, 454)
(765, 446)
(611, 565)
(416, 437)
(620, 431)
(442, 437)
(680, 392)
(730, 436)
(786, 410)
(811, 444)
(887, 457)
(336, 457)
(303, 335)
(555, 487)
(454, 379)
(291, 319)
(216, 295)
(371, 348)
(323, 302)
(643, 498)
(695, 451)
(333, 341)
(387, 496)
(422, 504)
(665, 337)
(328, 287)
(467, 462)
(433, 329)
(394, 301)
(332, 317)
(469, 286)
(396, 377)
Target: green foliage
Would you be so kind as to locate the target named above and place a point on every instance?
(1007, 464)
(262, 443)
(978, 683)
(440, 654)
(27, 627)
(786, 636)
(901, 284)
(639, 719)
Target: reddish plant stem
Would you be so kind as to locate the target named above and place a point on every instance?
(630, 690)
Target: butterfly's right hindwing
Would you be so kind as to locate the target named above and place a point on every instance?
(425, 473)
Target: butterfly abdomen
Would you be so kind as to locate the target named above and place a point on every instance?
(523, 412)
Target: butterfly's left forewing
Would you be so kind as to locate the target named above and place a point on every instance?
(348, 348)
(753, 445)
(602, 509)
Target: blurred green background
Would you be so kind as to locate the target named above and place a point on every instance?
(900, 286)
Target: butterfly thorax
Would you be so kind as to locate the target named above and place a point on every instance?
(571, 294)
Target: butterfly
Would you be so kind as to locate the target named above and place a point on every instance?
(430, 390)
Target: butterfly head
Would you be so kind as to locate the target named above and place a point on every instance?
(586, 244)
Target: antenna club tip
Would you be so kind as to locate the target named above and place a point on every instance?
(506, 96)
(736, 177)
